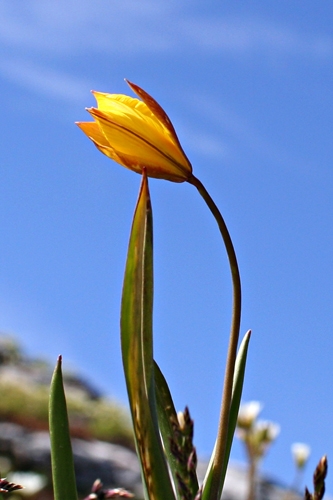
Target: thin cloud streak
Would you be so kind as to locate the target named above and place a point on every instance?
(51, 83)
(125, 29)
(254, 36)
(43, 27)
(235, 131)
(204, 144)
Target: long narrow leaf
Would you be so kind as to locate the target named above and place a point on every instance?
(234, 408)
(167, 415)
(64, 484)
(137, 350)
(168, 424)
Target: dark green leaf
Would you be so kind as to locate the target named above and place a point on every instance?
(64, 484)
(171, 434)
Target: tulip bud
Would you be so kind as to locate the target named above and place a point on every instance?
(137, 134)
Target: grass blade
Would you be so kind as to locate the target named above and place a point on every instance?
(64, 483)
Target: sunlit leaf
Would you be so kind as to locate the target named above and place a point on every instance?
(64, 484)
(137, 350)
(234, 408)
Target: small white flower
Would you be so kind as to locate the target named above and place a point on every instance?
(268, 430)
(300, 453)
(248, 413)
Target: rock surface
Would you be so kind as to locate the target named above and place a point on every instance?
(115, 465)
(25, 443)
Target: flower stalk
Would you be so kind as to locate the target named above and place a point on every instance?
(221, 442)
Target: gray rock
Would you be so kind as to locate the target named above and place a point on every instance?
(115, 465)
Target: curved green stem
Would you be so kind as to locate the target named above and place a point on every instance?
(221, 441)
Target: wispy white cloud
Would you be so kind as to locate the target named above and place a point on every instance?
(39, 37)
(234, 132)
(45, 81)
(254, 36)
(204, 143)
(65, 27)
(229, 123)
(130, 27)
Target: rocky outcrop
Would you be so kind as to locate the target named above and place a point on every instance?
(25, 444)
(115, 465)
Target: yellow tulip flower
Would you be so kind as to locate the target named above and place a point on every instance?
(137, 134)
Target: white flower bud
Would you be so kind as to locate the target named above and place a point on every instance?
(248, 413)
(300, 453)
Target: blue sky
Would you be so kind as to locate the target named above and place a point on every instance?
(248, 87)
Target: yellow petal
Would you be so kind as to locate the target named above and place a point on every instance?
(137, 151)
(92, 130)
(157, 111)
(105, 102)
(134, 115)
(144, 118)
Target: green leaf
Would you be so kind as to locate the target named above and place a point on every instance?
(234, 408)
(167, 415)
(64, 484)
(137, 350)
(168, 424)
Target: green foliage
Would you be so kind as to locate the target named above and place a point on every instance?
(20, 403)
(177, 442)
(107, 421)
(163, 439)
(100, 419)
(64, 483)
(153, 413)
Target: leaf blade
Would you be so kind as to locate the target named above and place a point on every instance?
(234, 408)
(63, 474)
(170, 433)
(137, 350)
